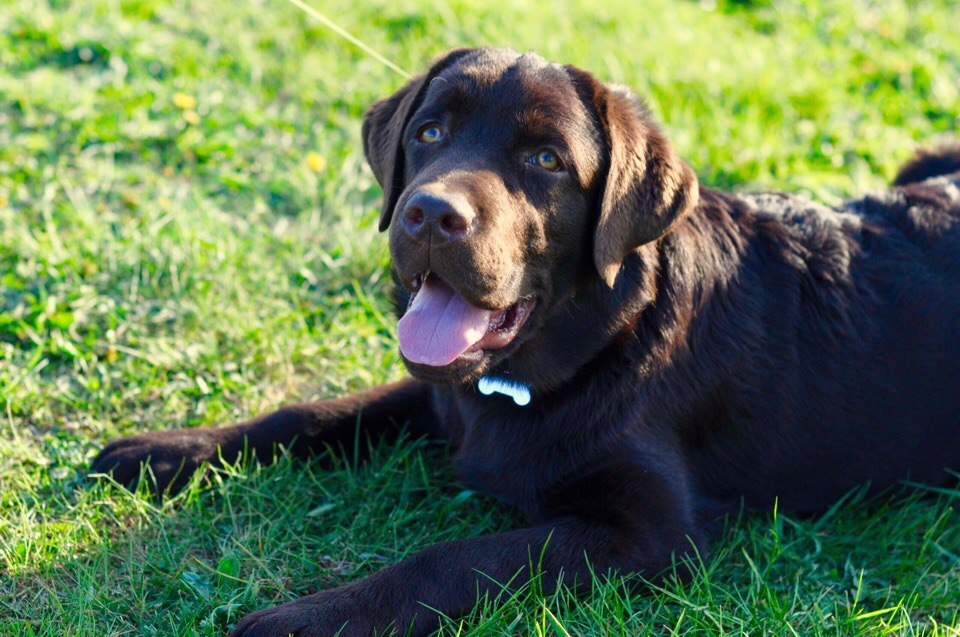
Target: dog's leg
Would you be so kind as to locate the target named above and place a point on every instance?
(175, 454)
(628, 518)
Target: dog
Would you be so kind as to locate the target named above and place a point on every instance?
(617, 351)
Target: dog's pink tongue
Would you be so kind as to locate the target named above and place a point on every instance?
(440, 325)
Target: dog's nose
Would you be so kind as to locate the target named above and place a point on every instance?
(436, 217)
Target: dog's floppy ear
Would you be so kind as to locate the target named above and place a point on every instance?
(383, 126)
(648, 188)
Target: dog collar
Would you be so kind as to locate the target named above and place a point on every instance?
(495, 384)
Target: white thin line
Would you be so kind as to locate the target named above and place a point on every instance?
(333, 26)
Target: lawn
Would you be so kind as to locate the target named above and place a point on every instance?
(188, 237)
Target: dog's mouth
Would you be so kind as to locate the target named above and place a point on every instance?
(440, 326)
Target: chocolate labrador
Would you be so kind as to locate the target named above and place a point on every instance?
(613, 349)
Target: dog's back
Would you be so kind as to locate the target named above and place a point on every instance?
(911, 260)
(852, 375)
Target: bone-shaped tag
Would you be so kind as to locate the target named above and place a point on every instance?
(494, 384)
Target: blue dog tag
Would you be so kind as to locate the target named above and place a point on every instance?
(494, 384)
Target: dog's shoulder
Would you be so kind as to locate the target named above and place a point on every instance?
(804, 218)
(913, 217)
(810, 237)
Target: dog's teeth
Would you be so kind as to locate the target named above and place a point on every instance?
(498, 320)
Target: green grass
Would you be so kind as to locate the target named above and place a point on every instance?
(188, 237)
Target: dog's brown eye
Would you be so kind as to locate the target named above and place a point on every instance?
(547, 160)
(430, 134)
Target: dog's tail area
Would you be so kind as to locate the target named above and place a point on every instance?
(928, 163)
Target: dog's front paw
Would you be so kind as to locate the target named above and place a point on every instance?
(172, 456)
(335, 612)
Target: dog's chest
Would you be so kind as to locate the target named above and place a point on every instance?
(518, 455)
(504, 457)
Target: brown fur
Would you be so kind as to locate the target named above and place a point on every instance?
(690, 351)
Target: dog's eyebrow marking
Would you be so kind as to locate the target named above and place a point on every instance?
(516, 390)
(451, 95)
(543, 117)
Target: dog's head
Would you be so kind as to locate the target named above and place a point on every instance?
(510, 186)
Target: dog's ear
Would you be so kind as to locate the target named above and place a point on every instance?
(383, 126)
(647, 189)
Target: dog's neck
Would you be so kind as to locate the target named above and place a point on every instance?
(650, 309)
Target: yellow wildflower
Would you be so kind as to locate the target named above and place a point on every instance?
(315, 161)
(184, 102)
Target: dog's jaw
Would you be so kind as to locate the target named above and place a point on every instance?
(443, 337)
